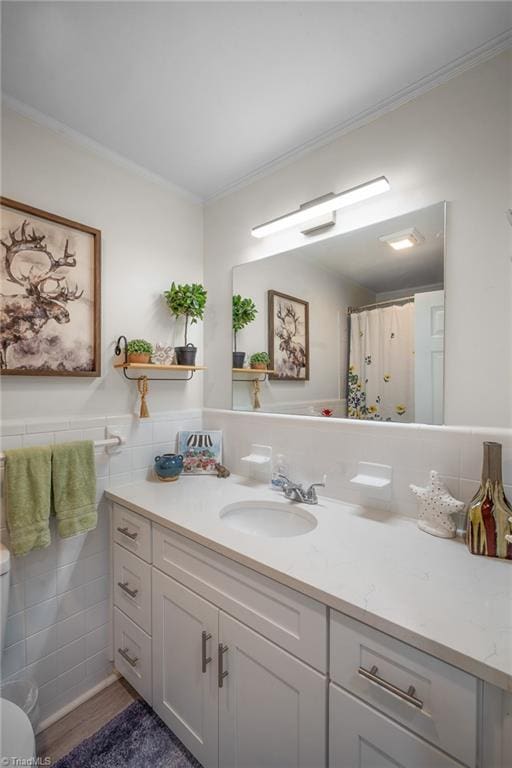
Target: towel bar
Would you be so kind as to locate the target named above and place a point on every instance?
(110, 441)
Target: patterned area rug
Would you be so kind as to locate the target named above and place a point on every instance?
(136, 738)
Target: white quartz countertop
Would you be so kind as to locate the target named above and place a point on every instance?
(371, 565)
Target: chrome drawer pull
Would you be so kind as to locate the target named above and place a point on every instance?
(205, 636)
(408, 695)
(124, 653)
(222, 674)
(124, 586)
(126, 532)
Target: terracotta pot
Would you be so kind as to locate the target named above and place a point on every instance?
(139, 357)
(259, 366)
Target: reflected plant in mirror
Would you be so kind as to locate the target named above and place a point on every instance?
(244, 311)
(376, 303)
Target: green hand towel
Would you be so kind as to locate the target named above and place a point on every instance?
(74, 487)
(28, 497)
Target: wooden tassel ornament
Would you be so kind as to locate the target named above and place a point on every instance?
(142, 386)
(256, 394)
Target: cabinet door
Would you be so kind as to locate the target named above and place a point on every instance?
(272, 707)
(360, 737)
(185, 693)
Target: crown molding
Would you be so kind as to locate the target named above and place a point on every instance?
(473, 58)
(24, 110)
(469, 60)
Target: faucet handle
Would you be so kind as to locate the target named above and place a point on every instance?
(310, 494)
(319, 485)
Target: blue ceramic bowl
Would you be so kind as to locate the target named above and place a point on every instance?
(169, 466)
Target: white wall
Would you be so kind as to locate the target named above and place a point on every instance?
(329, 295)
(58, 629)
(151, 235)
(454, 144)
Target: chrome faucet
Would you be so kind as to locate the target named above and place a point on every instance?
(297, 492)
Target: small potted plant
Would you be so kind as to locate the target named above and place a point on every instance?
(186, 301)
(260, 361)
(139, 351)
(244, 312)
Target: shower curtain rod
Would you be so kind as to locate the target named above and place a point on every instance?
(351, 310)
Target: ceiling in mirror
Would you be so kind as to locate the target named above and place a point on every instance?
(353, 325)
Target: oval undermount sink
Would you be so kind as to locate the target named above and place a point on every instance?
(268, 518)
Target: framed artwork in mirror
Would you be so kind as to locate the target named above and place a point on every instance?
(288, 337)
(50, 294)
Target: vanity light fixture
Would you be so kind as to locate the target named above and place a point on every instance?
(406, 238)
(323, 205)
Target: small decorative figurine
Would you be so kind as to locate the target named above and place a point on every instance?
(163, 355)
(222, 471)
(436, 505)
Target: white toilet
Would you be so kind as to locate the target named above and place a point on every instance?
(18, 743)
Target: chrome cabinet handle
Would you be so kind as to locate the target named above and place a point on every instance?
(124, 653)
(221, 673)
(408, 695)
(126, 532)
(205, 636)
(124, 586)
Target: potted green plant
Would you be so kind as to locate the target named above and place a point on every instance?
(139, 351)
(186, 301)
(244, 312)
(260, 361)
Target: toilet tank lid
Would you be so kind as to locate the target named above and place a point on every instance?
(5, 559)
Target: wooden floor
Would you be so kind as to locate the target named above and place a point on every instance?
(61, 737)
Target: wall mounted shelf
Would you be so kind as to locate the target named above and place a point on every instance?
(154, 367)
(126, 366)
(255, 372)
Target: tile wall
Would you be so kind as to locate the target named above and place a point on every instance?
(334, 447)
(59, 623)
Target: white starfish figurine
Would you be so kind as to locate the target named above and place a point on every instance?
(436, 505)
(508, 536)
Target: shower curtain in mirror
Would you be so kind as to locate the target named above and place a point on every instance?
(381, 366)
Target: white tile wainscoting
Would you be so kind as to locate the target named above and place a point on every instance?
(314, 446)
(59, 629)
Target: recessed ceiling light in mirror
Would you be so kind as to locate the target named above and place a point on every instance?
(406, 238)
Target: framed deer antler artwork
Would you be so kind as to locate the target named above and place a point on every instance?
(288, 337)
(50, 294)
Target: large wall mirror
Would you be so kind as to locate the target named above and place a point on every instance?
(353, 325)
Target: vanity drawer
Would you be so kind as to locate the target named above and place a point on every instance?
(132, 531)
(132, 587)
(380, 669)
(132, 654)
(360, 737)
(291, 620)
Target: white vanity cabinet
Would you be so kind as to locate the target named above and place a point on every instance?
(235, 699)
(272, 707)
(185, 642)
(250, 673)
(131, 590)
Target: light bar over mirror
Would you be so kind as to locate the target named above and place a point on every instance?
(347, 326)
(326, 204)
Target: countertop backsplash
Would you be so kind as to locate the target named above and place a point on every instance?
(314, 447)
